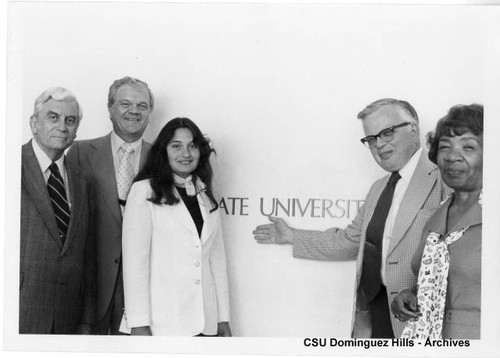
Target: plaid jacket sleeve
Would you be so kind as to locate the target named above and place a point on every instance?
(331, 244)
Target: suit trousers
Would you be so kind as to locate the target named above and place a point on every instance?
(381, 315)
(110, 322)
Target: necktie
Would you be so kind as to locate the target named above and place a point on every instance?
(371, 280)
(57, 194)
(432, 285)
(125, 171)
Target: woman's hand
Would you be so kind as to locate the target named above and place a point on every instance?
(141, 331)
(223, 330)
(404, 306)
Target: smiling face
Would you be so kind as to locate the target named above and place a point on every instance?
(54, 126)
(130, 112)
(460, 160)
(183, 154)
(394, 154)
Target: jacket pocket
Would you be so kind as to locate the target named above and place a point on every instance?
(21, 280)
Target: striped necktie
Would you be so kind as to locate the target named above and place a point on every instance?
(57, 193)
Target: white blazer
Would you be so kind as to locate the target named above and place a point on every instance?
(174, 281)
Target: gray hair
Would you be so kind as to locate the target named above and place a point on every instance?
(57, 94)
(405, 106)
(113, 89)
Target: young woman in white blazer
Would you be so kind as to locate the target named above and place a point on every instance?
(174, 264)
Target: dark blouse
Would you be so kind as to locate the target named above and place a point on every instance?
(193, 207)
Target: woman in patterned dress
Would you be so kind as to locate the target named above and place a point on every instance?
(446, 303)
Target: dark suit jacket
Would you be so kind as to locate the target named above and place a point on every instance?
(57, 281)
(94, 156)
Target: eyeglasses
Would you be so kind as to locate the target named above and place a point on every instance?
(386, 135)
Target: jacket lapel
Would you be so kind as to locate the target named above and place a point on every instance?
(208, 218)
(371, 204)
(183, 215)
(104, 171)
(422, 182)
(145, 148)
(78, 201)
(34, 181)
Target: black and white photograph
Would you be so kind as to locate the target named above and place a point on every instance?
(252, 178)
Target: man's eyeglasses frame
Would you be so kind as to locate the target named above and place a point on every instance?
(385, 135)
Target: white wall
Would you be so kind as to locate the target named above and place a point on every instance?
(277, 88)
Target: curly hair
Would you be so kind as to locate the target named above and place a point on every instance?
(157, 168)
(460, 119)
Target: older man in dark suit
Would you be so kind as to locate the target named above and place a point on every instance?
(57, 266)
(113, 161)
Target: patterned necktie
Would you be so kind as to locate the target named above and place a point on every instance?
(371, 280)
(432, 286)
(125, 171)
(57, 193)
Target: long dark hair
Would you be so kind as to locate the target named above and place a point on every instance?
(157, 168)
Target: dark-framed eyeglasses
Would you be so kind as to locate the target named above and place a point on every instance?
(386, 135)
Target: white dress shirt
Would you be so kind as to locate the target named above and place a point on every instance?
(44, 161)
(406, 173)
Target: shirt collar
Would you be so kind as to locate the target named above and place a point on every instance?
(43, 159)
(407, 171)
(116, 143)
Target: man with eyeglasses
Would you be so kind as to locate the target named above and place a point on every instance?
(388, 228)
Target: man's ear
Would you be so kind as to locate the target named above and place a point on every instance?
(415, 129)
(33, 124)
